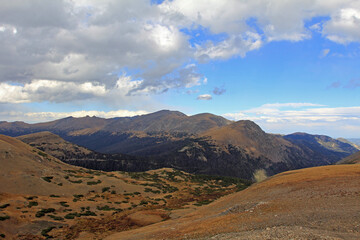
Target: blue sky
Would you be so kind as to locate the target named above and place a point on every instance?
(287, 65)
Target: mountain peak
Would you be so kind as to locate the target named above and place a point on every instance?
(167, 112)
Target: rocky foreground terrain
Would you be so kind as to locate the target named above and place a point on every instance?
(313, 203)
(42, 197)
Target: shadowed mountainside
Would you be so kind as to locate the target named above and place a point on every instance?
(71, 153)
(322, 147)
(191, 154)
(201, 144)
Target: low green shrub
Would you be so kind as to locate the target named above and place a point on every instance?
(32, 203)
(4, 205)
(47, 179)
(93, 182)
(45, 232)
(56, 217)
(42, 212)
(3, 218)
(64, 204)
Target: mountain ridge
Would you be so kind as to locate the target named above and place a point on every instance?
(199, 144)
(164, 120)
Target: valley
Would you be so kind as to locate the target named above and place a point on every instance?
(42, 197)
(73, 179)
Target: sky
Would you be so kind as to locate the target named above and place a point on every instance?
(289, 65)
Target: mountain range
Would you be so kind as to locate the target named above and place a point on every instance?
(200, 144)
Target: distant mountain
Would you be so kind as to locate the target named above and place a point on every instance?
(322, 147)
(165, 120)
(352, 159)
(200, 144)
(354, 140)
(349, 142)
(252, 139)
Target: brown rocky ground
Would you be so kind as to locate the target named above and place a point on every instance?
(313, 203)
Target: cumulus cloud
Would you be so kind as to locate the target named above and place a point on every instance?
(97, 41)
(91, 41)
(234, 46)
(49, 116)
(344, 25)
(204, 97)
(313, 118)
(49, 90)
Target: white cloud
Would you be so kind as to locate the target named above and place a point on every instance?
(234, 46)
(204, 97)
(316, 119)
(344, 25)
(49, 90)
(49, 116)
(292, 105)
(92, 41)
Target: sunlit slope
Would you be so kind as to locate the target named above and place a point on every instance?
(313, 203)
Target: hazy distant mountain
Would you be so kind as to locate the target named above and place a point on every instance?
(322, 147)
(349, 142)
(354, 140)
